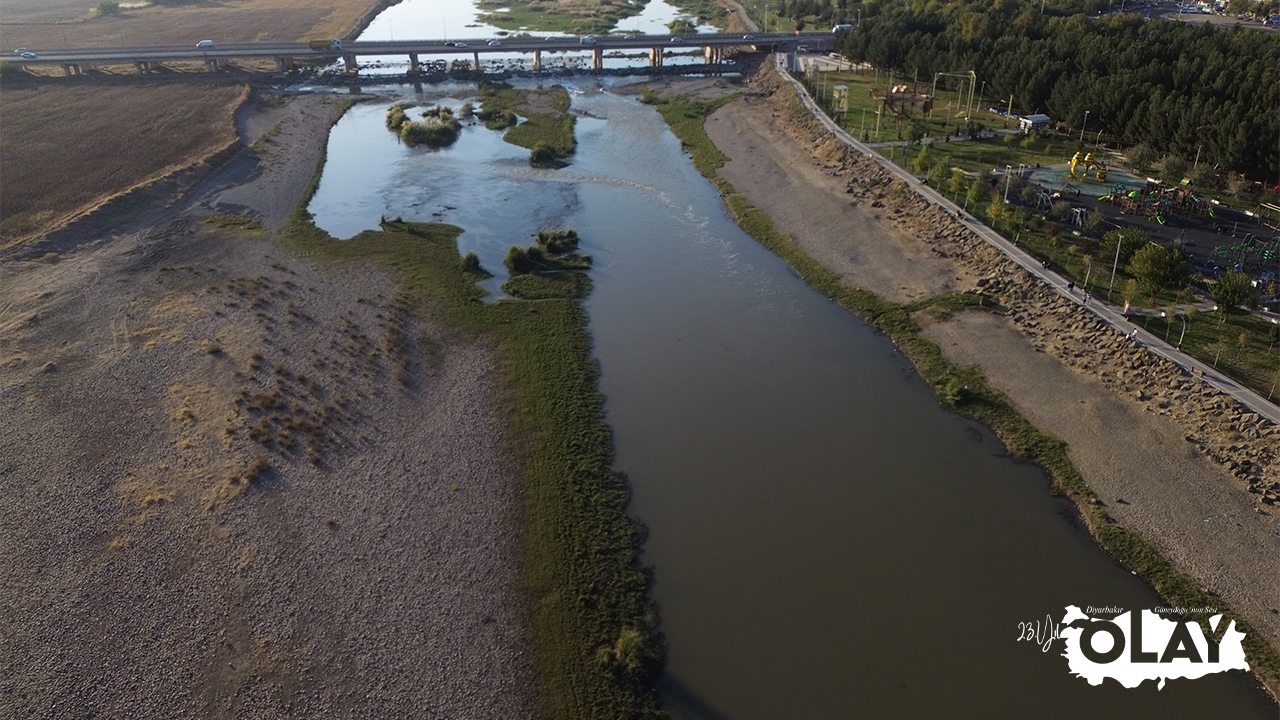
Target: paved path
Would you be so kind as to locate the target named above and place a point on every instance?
(1107, 313)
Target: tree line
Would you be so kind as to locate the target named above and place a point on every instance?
(1181, 88)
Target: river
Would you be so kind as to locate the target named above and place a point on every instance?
(827, 541)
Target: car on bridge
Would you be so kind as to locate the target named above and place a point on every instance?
(205, 44)
(748, 37)
(588, 40)
(28, 56)
(495, 43)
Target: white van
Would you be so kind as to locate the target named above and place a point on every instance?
(205, 44)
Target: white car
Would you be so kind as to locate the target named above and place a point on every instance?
(19, 51)
(205, 44)
(29, 56)
(495, 43)
(461, 45)
(588, 40)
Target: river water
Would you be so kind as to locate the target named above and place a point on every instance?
(827, 542)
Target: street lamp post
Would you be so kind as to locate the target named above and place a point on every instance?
(1082, 127)
(1097, 141)
(1114, 266)
(1008, 175)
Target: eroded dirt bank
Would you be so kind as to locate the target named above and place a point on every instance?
(241, 483)
(1174, 459)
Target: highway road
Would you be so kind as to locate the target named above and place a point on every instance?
(189, 52)
(1106, 313)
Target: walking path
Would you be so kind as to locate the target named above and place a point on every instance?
(1107, 313)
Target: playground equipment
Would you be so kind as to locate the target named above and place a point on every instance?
(1157, 203)
(1250, 253)
(1082, 166)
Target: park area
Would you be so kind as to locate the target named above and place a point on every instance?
(1195, 260)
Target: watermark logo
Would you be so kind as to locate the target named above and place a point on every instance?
(1134, 646)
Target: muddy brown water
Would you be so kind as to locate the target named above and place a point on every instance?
(827, 542)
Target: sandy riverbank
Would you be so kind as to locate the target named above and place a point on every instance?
(245, 483)
(1132, 452)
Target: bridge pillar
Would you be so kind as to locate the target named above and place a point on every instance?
(655, 57)
(284, 63)
(415, 65)
(597, 58)
(714, 54)
(350, 62)
(477, 65)
(537, 60)
(141, 66)
(72, 69)
(212, 65)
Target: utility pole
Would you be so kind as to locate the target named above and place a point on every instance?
(1197, 163)
(862, 134)
(1082, 127)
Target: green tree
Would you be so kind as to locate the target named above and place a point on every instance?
(1157, 268)
(1172, 168)
(938, 174)
(959, 181)
(1130, 239)
(1203, 177)
(1238, 185)
(1028, 142)
(1093, 223)
(922, 161)
(1229, 291)
(977, 191)
(1141, 156)
(108, 7)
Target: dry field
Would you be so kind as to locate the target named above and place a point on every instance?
(64, 149)
(46, 24)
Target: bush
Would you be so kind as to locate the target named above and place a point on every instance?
(107, 7)
(10, 71)
(438, 128)
(558, 242)
(396, 116)
(542, 156)
(471, 264)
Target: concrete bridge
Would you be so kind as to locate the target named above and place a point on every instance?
(286, 55)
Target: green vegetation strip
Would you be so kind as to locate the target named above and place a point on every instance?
(594, 626)
(964, 389)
